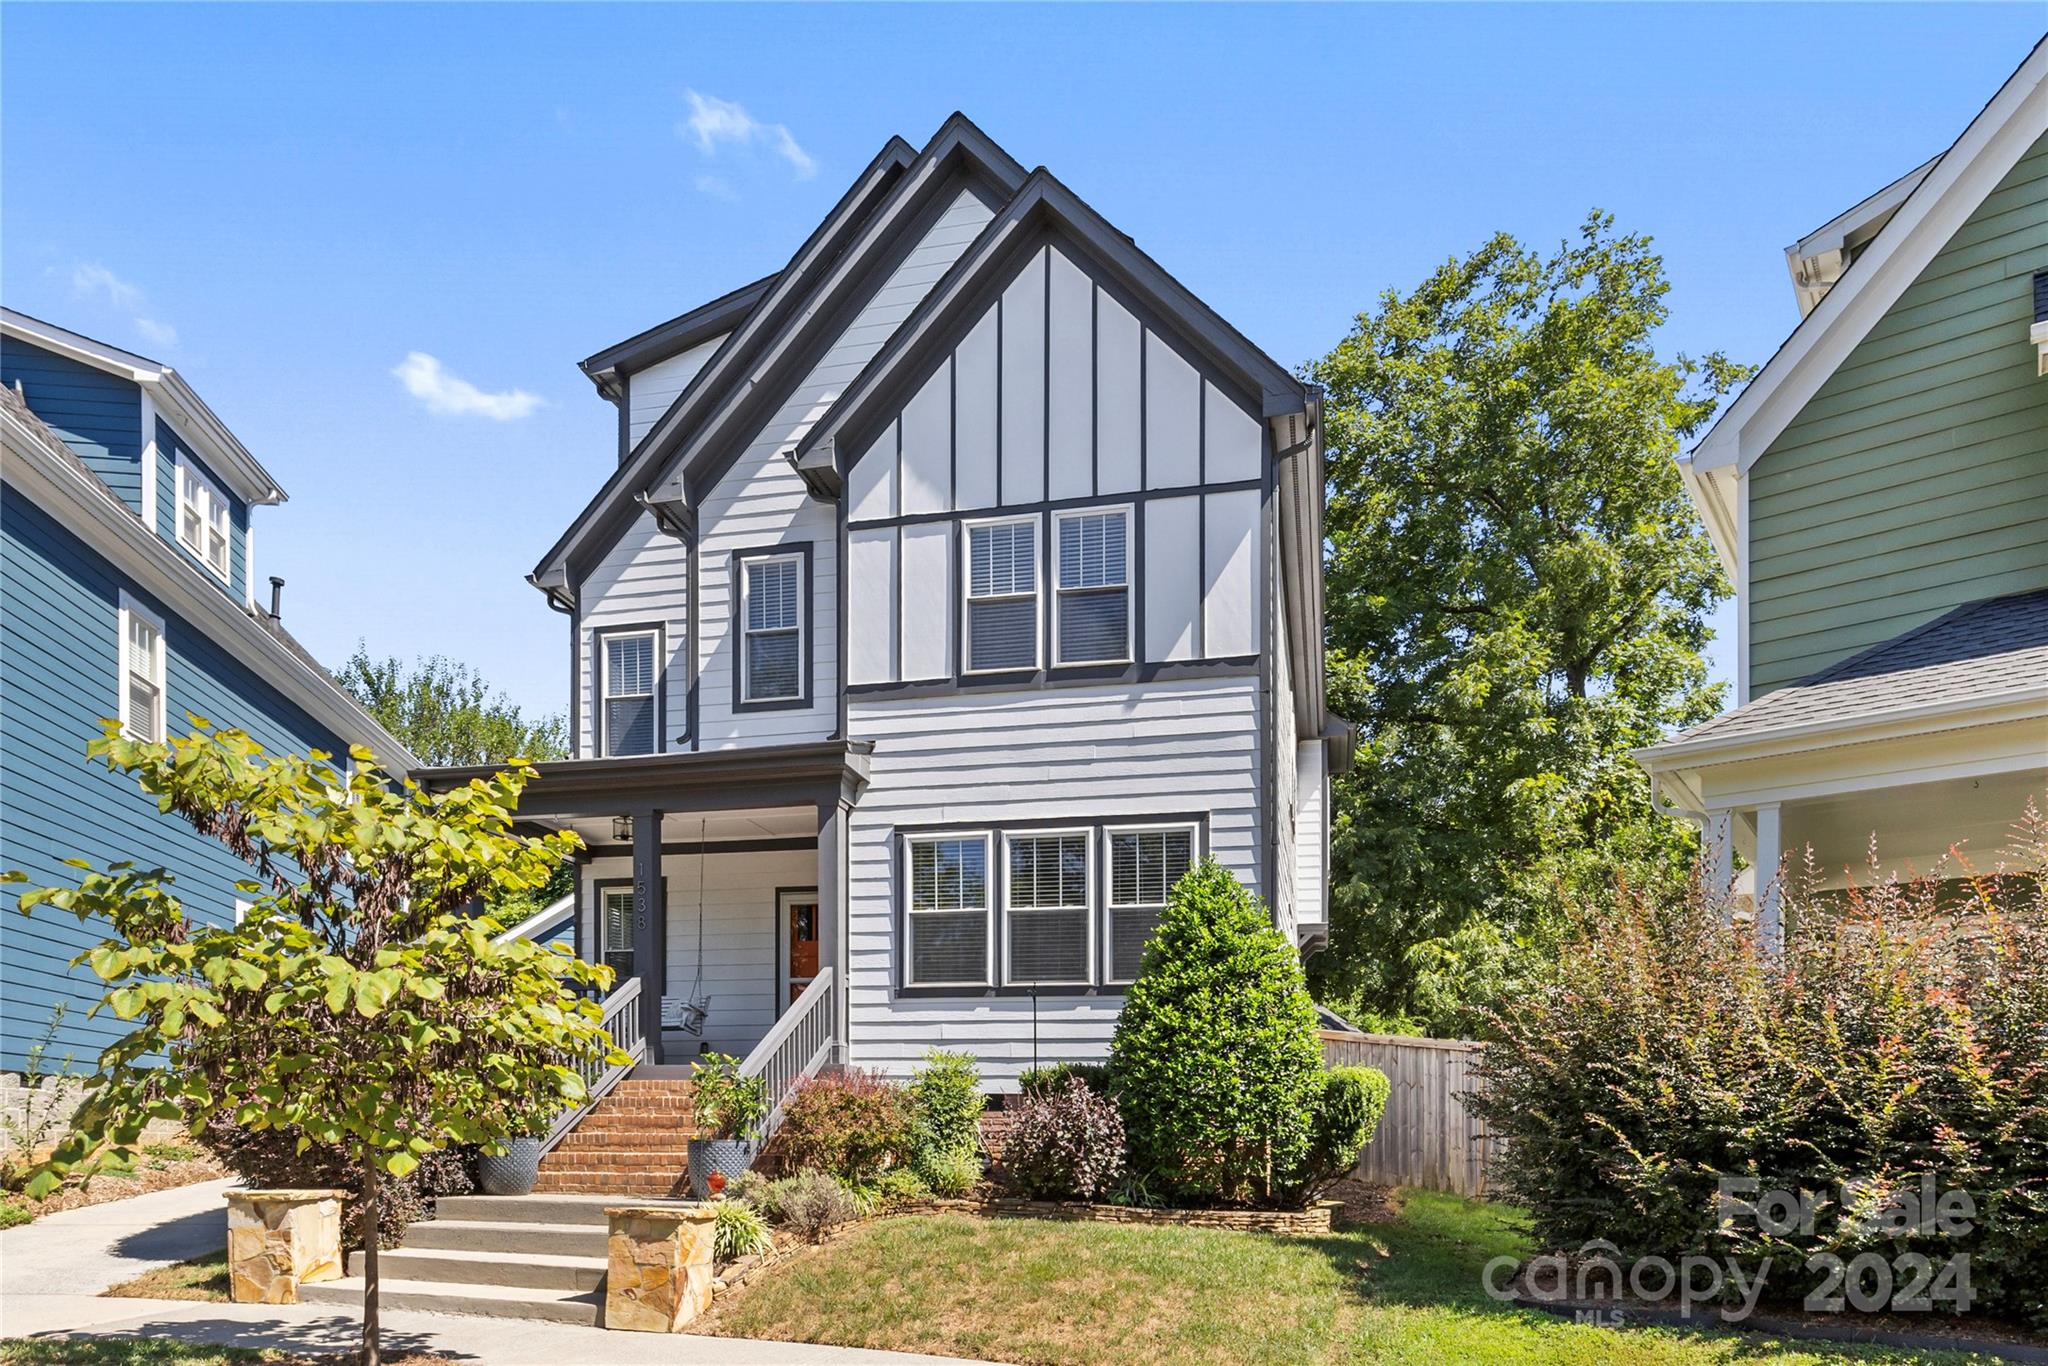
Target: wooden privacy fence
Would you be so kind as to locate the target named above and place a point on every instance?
(1427, 1138)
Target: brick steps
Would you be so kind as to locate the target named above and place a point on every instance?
(635, 1144)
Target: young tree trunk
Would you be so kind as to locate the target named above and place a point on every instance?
(371, 1356)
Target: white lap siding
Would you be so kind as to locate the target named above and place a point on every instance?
(742, 937)
(1084, 754)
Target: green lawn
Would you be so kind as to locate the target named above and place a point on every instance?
(202, 1278)
(1058, 1294)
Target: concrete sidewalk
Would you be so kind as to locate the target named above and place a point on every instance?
(489, 1342)
(85, 1251)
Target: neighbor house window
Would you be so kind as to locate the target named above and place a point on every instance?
(948, 910)
(142, 672)
(1045, 908)
(1092, 597)
(771, 615)
(1002, 595)
(1143, 866)
(202, 518)
(629, 711)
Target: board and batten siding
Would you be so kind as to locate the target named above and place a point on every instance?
(651, 391)
(98, 415)
(761, 504)
(742, 961)
(59, 674)
(643, 580)
(1058, 393)
(1172, 748)
(1917, 477)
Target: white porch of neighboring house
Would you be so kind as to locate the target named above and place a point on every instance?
(1934, 739)
(714, 883)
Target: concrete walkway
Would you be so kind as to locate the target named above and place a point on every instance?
(52, 1273)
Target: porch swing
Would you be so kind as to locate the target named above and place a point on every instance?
(688, 1013)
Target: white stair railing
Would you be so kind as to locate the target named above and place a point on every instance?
(622, 1022)
(795, 1049)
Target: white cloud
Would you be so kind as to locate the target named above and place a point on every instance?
(714, 122)
(90, 279)
(426, 380)
(716, 188)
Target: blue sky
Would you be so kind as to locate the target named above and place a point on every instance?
(288, 203)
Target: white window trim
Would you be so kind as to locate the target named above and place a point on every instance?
(1090, 912)
(967, 598)
(1110, 905)
(604, 685)
(605, 948)
(131, 608)
(191, 485)
(988, 905)
(747, 564)
(1130, 586)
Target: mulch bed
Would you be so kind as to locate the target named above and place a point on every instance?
(1363, 1202)
(148, 1177)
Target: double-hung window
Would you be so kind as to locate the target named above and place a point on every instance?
(142, 672)
(629, 714)
(1143, 866)
(947, 913)
(772, 623)
(1046, 908)
(202, 518)
(1002, 595)
(1092, 597)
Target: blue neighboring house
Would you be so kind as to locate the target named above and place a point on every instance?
(127, 590)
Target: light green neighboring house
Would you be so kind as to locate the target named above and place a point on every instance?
(1879, 494)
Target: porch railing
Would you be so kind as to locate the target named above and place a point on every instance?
(795, 1049)
(622, 1023)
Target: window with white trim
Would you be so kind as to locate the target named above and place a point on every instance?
(1092, 593)
(202, 518)
(772, 624)
(1002, 595)
(947, 913)
(142, 672)
(1046, 908)
(1143, 866)
(629, 677)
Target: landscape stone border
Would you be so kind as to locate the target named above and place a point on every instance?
(1297, 1223)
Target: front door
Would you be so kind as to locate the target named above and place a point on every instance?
(615, 932)
(800, 928)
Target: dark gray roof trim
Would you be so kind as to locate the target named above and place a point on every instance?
(1042, 205)
(676, 335)
(611, 506)
(765, 775)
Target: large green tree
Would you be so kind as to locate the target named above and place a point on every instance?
(444, 711)
(360, 1001)
(1518, 594)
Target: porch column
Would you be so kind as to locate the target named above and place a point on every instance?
(1770, 891)
(832, 913)
(650, 927)
(1717, 835)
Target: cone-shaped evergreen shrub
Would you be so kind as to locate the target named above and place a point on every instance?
(1216, 1064)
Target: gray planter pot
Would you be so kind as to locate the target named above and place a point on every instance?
(512, 1174)
(730, 1156)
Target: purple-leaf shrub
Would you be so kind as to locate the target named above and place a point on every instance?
(1067, 1144)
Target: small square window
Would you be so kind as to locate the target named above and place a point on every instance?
(203, 518)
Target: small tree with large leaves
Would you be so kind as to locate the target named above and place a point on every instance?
(363, 999)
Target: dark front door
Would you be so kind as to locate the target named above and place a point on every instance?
(800, 916)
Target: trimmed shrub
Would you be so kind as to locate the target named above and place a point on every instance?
(945, 1103)
(1216, 1063)
(737, 1231)
(847, 1123)
(812, 1204)
(1053, 1077)
(1346, 1115)
(1067, 1145)
(954, 1173)
(1901, 1035)
(269, 1159)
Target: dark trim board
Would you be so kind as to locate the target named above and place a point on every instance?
(1067, 676)
(790, 844)
(737, 627)
(679, 333)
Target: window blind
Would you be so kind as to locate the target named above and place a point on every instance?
(629, 709)
(1002, 596)
(1048, 908)
(948, 920)
(1094, 588)
(1143, 867)
(774, 630)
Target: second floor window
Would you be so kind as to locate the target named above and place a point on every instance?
(142, 673)
(1092, 604)
(771, 590)
(202, 518)
(629, 704)
(1002, 596)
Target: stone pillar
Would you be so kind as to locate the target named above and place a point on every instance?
(281, 1240)
(659, 1277)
